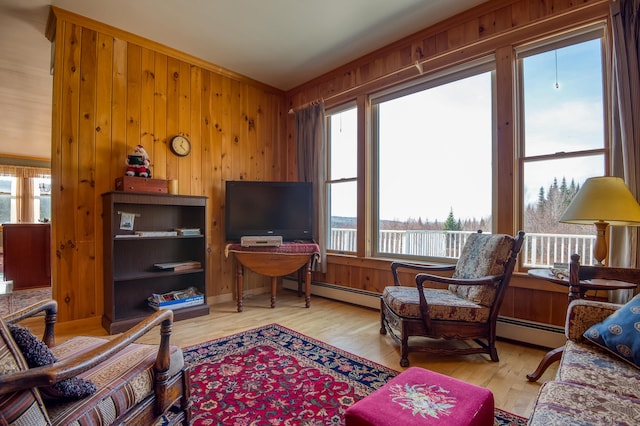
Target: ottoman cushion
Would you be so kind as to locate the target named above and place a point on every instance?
(418, 396)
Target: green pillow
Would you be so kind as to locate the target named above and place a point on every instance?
(620, 332)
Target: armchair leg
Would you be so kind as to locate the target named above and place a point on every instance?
(185, 402)
(383, 328)
(404, 346)
(494, 354)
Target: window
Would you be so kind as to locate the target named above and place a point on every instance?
(41, 199)
(25, 194)
(8, 208)
(562, 132)
(433, 162)
(342, 132)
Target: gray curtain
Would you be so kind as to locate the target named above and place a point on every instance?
(625, 133)
(311, 156)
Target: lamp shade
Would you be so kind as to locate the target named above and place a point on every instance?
(605, 198)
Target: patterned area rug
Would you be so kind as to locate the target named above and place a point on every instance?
(272, 375)
(14, 301)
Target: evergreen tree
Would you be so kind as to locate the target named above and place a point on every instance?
(451, 224)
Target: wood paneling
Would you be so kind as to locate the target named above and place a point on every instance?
(112, 91)
(494, 28)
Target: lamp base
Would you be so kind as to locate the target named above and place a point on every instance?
(600, 250)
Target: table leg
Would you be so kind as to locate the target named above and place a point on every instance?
(551, 357)
(274, 284)
(239, 284)
(307, 290)
(301, 276)
(575, 292)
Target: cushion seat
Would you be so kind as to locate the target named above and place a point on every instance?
(590, 365)
(562, 403)
(421, 397)
(122, 382)
(443, 305)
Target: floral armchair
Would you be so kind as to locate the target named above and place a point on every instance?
(466, 310)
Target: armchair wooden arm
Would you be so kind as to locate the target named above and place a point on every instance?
(74, 365)
(49, 307)
(395, 266)
(488, 280)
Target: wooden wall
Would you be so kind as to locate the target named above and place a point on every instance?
(493, 28)
(114, 90)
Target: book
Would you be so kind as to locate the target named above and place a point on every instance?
(175, 299)
(178, 266)
(188, 231)
(156, 233)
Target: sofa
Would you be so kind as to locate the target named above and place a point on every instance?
(90, 380)
(598, 380)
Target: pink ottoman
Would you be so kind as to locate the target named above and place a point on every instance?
(418, 397)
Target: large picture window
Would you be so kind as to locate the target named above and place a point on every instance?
(563, 140)
(433, 162)
(429, 159)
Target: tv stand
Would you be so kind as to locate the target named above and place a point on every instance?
(275, 262)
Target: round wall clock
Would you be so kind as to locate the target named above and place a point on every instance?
(180, 146)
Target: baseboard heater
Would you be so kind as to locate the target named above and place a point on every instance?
(516, 329)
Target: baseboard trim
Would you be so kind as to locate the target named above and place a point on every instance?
(515, 329)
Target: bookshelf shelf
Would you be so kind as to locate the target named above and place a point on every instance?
(130, 276)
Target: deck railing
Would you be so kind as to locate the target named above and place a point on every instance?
(537, 250)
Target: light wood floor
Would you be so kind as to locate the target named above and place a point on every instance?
(356, 330)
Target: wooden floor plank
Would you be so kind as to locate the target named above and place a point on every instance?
(356, 329)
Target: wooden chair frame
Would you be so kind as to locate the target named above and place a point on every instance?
(483, 333)
(167, 390)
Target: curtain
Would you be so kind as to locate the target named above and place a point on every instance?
(311, 157)
(25, 196)
(625, 134)
(24, 172)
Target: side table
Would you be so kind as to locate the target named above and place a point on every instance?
(275, 262)
(581, 279)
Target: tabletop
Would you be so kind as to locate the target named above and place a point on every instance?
(592, 284)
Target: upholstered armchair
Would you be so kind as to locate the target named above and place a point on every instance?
(466, 310)
(89, 380)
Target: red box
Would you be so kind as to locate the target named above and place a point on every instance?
(140, 184)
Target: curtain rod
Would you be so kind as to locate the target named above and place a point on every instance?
(308, 104)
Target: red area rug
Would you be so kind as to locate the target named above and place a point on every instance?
(272, 375)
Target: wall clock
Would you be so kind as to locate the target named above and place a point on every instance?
(180, 146)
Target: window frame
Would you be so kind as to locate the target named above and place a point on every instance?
(556, 41)
(351, 105)
(456, 73)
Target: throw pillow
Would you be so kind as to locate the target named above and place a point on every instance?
(37, 354)
(620, 332)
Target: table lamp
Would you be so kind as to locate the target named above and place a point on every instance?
(603, 201)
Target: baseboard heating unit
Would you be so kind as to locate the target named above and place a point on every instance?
(516, 329)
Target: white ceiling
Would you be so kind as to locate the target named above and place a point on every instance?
(282, 43)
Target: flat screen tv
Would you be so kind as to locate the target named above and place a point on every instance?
(260, 208)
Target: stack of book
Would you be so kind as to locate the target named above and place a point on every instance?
(176, 299)
(188, 231)
(178, 266)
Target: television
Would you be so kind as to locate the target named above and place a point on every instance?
(263, 208)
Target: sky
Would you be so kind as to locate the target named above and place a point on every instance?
(435, 145)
